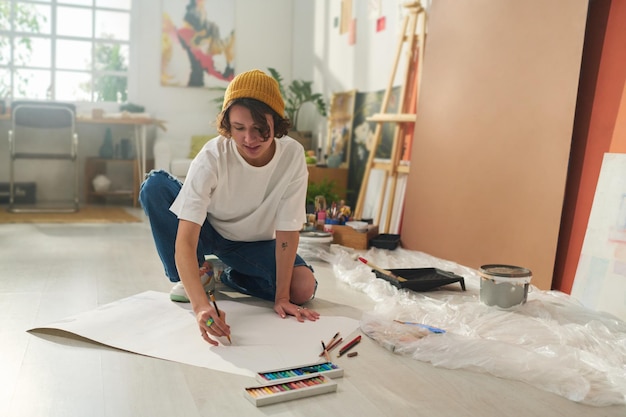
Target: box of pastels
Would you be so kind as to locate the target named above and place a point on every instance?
(290, 389)
(328, 369)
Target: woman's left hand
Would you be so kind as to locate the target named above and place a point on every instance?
(284, 308)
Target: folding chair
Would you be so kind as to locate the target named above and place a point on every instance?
(42, 130)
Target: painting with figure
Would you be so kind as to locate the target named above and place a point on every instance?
(366, 104)
(600, 281)
(340, 128)
(197, 43)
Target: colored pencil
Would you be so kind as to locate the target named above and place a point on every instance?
(382, 270)
(334, 345)
(331, 341)
(218, 311)
(349, 345)
(325, 352)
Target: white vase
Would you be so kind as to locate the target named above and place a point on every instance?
(101, 183)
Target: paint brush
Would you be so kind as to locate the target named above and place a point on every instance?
(432, 329)
(218, 311)
(382, 270)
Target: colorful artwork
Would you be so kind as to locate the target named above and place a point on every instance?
(340, 128)
(197, 42)
(362, 142)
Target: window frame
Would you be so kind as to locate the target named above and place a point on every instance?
(91, 69)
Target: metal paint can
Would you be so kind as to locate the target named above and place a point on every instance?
(504, 286)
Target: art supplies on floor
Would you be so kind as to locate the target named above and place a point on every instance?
(328, 369)
(290, 389)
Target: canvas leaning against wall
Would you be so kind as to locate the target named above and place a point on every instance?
(366, 104)
(600, 281)
(197, 42)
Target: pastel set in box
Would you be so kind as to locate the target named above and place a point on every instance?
(328, 369)
(288, 390)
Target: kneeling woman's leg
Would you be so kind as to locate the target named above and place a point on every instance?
(156, 195)
(303, 284)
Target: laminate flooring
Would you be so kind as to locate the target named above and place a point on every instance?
(49, 272)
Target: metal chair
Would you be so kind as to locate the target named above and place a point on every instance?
(42, 130)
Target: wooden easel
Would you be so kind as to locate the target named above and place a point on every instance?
(412, 43)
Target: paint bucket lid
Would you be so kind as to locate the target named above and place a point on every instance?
(506, 273)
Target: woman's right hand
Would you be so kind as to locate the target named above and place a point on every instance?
(211, 324)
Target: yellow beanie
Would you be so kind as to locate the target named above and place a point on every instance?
(257, 85)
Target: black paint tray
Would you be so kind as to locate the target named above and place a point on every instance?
(421, 279)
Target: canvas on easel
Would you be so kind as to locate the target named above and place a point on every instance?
(367, 104)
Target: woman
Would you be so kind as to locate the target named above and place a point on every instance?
(243, 200)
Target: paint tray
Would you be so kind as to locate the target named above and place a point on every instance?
(421, 279)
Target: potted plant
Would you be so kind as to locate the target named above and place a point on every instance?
(325, 188)
(296, 94)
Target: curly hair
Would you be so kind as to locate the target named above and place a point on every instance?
(258, 110)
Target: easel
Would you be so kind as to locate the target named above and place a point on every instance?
(413, 45)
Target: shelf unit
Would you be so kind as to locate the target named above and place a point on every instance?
(124, 174)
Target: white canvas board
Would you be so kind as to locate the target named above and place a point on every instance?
(150, 324)
(600, 281)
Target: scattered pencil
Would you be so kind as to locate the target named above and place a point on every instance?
(325, 352)
(331, 347)
(349, 345)
(331, 341)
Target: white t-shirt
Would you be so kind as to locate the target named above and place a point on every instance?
(242, 202)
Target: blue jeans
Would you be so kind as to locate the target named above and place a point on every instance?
(251, 266)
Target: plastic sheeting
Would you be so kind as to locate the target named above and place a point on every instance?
(551, 342)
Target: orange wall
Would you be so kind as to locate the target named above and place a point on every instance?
(492, 140)
(618, 141)
(599, 127)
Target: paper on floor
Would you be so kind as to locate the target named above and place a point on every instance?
(150, 324)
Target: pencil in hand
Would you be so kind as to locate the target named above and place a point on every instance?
(218, 311)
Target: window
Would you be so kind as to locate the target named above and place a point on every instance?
(70, 50)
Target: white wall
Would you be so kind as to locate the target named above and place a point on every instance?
(263, 39)
(297, 37)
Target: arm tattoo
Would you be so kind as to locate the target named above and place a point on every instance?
(284, 245)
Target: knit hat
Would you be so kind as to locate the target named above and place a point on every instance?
(257, 85)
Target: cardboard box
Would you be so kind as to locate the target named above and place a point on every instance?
(24, 192)
(347, 236)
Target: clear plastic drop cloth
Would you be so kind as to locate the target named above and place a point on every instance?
(551, 342)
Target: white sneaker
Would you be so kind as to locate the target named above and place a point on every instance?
(178, 293)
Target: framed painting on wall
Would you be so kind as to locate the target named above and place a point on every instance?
(197, 42)
(340, 129)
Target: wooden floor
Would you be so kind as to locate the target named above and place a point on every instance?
(49, 272)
